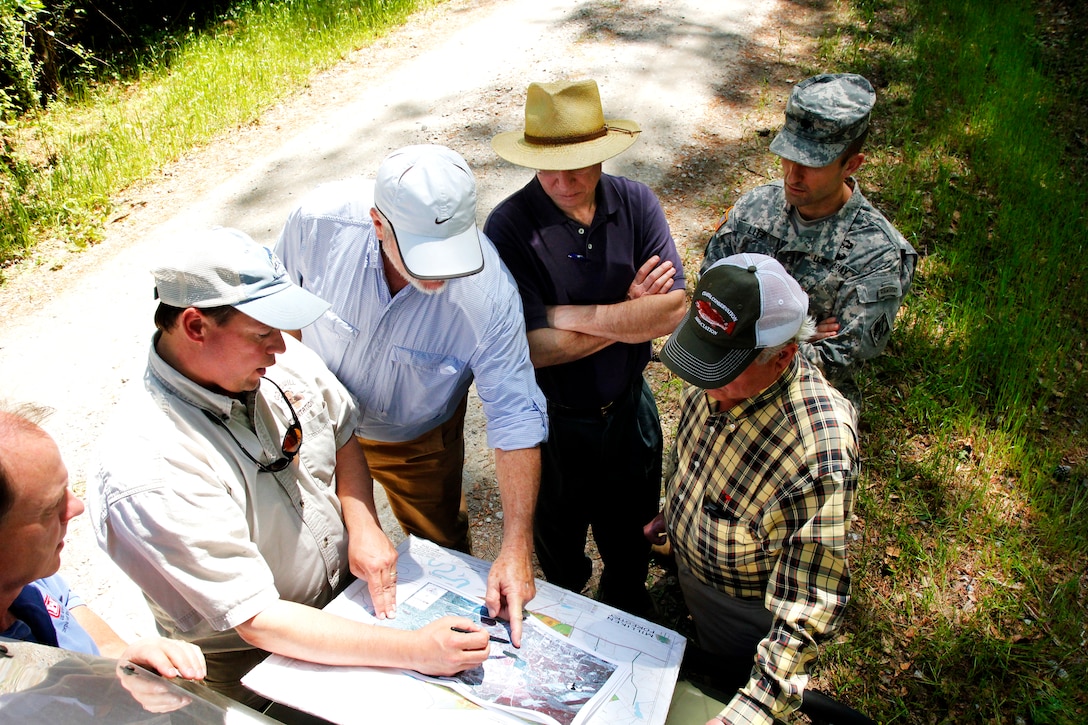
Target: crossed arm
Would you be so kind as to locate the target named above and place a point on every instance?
(651, 310)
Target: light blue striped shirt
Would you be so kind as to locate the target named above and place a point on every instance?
(409, 359)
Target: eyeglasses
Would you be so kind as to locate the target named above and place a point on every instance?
(292, 439)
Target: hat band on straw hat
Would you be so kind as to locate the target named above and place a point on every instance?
(563, 140)
(565, 129)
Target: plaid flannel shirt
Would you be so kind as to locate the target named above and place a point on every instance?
(760, 506)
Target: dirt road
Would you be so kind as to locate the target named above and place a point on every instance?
(76, 327)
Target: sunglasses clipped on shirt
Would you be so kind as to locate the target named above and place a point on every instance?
(292, 439)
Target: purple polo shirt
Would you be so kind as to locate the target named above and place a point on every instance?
(558, 261)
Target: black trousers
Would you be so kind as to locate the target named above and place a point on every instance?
(729, 631)
(601, 469)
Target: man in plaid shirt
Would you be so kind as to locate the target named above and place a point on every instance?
(759, 506)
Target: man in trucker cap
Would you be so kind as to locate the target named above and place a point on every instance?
(758, 508)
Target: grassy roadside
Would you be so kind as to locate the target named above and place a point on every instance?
(970, 550)
(970, 568)
(59, 168)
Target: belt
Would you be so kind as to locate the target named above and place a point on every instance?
(597, 411)
(601, 411)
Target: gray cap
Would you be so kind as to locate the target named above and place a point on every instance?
(224, 267)
(824, 115)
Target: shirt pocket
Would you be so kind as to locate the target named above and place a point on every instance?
(318, 439)
(330, 336)
(878, 298)
(738, 545)
(750, 238)
(422, 385)
(318, 433)
(879, 289)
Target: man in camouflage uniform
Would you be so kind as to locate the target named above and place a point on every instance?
(854, 265)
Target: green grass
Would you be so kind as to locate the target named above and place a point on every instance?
(59, 168)
(970, 571)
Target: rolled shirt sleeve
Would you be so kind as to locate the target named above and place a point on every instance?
(209, 539)
(807, 593)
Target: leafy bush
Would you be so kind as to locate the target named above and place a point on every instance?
(18, 89)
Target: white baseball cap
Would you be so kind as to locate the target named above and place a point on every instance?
(225, 267)
(428, 195)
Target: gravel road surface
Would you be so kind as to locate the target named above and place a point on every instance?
(77, 326)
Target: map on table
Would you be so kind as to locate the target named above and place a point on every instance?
(645, 655)
(548, 679)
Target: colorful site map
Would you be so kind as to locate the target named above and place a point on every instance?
(580, 661)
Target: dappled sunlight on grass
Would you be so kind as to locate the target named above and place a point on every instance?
(972, 545)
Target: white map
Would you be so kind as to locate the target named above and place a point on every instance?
(641, 688)
(549, 679)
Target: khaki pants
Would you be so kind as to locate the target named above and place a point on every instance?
(422, 480)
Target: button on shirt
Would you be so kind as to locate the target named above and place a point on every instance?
(559, 261)
(759, 507)
(409, 359)
(209, 539)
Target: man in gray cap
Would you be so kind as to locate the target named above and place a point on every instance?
(766, 464)
(854, 265)
(422, 307)
(230, 482)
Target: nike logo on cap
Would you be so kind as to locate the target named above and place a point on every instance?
(442, 221)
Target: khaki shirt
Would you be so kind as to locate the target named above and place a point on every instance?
(209, 539)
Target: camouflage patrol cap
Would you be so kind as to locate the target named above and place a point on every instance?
(824, 115)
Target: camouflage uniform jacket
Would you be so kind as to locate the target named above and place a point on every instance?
(854, 266)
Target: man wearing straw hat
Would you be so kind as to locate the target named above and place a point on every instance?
(766, 468)
(600, 278)
(854, 265)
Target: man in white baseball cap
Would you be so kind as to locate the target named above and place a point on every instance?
(766, 464)
(421, 307)
(231, 487)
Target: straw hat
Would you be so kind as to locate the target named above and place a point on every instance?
(565, 129)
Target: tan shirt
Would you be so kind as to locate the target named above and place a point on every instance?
(210, 539)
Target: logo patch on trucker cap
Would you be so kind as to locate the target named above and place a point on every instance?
(713, 319)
